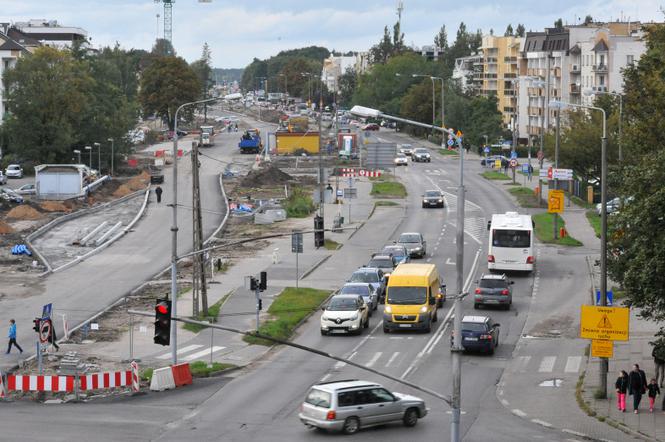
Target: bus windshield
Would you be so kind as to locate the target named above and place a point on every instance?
(511, 238)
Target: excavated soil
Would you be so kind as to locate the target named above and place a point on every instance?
(55, 206)
(5, 228)
(24, 212)
(270, 175)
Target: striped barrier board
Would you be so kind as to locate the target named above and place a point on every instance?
(17, 382)
(103, 381)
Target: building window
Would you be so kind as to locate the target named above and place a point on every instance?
(630, 59)
(602, 80)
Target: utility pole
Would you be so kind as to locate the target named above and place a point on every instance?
(199, 260)
(321, 203)
(556, 166)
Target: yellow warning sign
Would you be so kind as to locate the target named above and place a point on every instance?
(555, 201)
(497, 164)
(602, 348)
(604, 323)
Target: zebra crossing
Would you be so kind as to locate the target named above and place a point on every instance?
(185, 353)
(547, 364)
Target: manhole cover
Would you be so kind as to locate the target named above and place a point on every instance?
(551, 383)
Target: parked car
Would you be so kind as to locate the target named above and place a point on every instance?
(613, 205)
(384, 262)
(433, 198)
(421, 155)
(479, 333)
(10, 195)
(26, 189)
(14, 171)
(493, 290)
(373, 276)
(364, 289)
(401, 160)
(406, 149)
(399, 252)
(351, 405)
(3, 178)
(490, 161)
(347, 313)
(415, 244)
(371, 126)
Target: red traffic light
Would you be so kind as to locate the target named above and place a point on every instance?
(162, 309)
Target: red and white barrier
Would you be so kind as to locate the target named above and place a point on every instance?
(135, 377)
(2, 386)
(17, 382)
(103, 381)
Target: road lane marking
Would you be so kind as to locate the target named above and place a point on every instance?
(180, 351)
(547, 364)
(519, 413)
(543, 423)
(392, 359)
(375, 358)
(573, 364)
(338, 365)
(504, 402)
(326, 377)
(450, 263)
(202, 353)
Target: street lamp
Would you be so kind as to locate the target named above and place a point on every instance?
(433, 100)
(603, 221)
(456, 350)
(99, 157)
(589, 92)
(258, 103)
(89, 149)
(309, 85)
(78, 154)
(112, 152)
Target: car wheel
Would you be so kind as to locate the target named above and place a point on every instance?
(366, 323)
(424, 205)
(351, 425)
(436, 316)
(324, 333)
(491, 352)
(428, 328)
(506, 307)
(410, 417)
(386, 330)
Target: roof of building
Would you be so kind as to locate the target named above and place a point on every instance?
(10, 45)
(601, 46)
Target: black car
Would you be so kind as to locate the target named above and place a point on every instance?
(479, 333)
(433, 198)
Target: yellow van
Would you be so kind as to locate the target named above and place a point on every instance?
(413, 294)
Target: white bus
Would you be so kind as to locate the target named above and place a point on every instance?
(511, 242)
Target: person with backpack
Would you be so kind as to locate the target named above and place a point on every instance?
(637, 386)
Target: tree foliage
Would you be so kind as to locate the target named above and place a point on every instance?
(167, 83)
(509, 31)
(520, 30)
(348, 82)
(441, 39)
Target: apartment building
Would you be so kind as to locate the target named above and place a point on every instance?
(500, 69)
(468, 72)
(335, 66)
(10, 51)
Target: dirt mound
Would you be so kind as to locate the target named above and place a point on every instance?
(270, 175)
(24, 212)
(139, 181)
(54, 206)
(5, 228)
(122, 191)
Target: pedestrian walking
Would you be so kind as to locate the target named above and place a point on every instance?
(658, 354)
(530, 172)
(12, 337)
(653, 391)
(621, 385)
(158, 192)
(637, 386)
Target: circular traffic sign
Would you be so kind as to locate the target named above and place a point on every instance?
(513, 163)
(44, 330)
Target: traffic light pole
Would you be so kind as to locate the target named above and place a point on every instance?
(257, 293)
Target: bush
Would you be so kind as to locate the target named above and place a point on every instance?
(299, 204)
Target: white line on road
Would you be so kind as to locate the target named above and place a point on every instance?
(519, 413)
(375, 358)
(181, 351)
(202, 353)
(326, 377)
(573, 364)
(392, 359)
(543, 423)
(450, 263)
(576, 433)
(504, 402)
(338, 365)
(547, 364)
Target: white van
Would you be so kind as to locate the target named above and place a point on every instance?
(511, 242)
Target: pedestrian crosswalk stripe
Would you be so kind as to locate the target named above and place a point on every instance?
(339, 364)
(573, 364)
(547, 364)
(202, 353)
(180, 351)
(392, 359)
(375, 358)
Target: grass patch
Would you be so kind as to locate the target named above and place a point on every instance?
(582, 203)
(388, 189)
(579, 389)
(594, 220)
(287, 310)
(146, 374)
(299, 204)
(545, 230)
(526, 197)
(385, 203)
(494, 175)
(329, 244)
(200, 369)
(213, 312)
(448, 152)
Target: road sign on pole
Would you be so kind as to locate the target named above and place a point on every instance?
(513, 163)
(296, 242)
(513, 154)
(46, 311)
(610, 297)
(450, 143)
(486, 150)
(605, 323)
(44, 331)
(602, 348)
(555, 201)
(497, 164)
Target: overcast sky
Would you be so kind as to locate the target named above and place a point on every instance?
(238, 31)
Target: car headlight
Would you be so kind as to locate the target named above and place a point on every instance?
(440, 200)
(324, 318)
(354, 317)
(423, 309)
(418, 248)
(388, 309)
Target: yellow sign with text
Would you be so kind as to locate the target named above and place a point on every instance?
(602, 348)
(555, 201)
(604, 323)
(497, 164)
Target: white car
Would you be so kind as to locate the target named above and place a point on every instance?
(401, 160)
(406, 149)
(14, 171)
(26, 189)
(347, 313)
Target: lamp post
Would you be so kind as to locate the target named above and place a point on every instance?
(99, 157)
(258, 103)
(112, 152)
(174, 232)
(589, 91)
(89, 149)
(457, 321)
(78, 155)
(309, 86)
(603, 222)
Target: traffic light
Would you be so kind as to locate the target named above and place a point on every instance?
(162, 322)
(37, 322)
(260, 304)
(318, 231)
(263, 284)
(253, 284)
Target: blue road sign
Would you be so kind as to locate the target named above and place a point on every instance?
(610, 297)
(486, 150)
(450, 142)
(513, 154)
(525, 168)
(46, 311)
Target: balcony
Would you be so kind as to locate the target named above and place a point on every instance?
(490, 76)
(510, 59)
(600, 68)
(575, 89)
(535, 111)
(490, 60)
(510, 75)
(575, 69)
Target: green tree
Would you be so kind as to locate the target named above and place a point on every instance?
(348, 82)
(380, 52)
(166, 84)
(162, 48)
(588, 20)
(558, 24)
(509, 31)
(441, 39)
(520, 30)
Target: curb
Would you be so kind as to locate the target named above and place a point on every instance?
(316, 266)
(226, 217)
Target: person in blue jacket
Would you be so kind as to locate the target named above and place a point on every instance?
(12, 337)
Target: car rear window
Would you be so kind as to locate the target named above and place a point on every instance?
(493, 283)
(354, 290)
(318, 398)
(396, 251)
(364, 277)
(473, 327)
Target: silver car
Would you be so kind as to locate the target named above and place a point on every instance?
(364, 289)
(350, 405)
